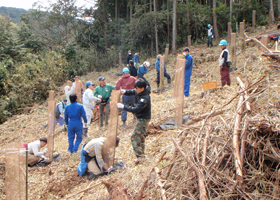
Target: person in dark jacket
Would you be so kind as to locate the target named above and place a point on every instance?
(128, 58)
(166, 75)
(132, 69)
(223, 63)
(142, 110)
(188, 71)
(73, 114)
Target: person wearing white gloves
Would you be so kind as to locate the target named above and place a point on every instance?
(34, 154)
(142, 110)
(89, 102)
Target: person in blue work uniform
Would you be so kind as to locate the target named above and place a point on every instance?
(188, 71)
(166, 75)
(136, 59)
(210, 34)
(143, 69)
(73, 114)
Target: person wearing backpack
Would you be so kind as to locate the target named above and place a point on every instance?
(59, 109)
(224, 63)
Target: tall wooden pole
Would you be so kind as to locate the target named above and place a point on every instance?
(179, 90)
(189, 41)
(174, 27)
(233, 49)
(79, 91)
(120, 62)
(241, 34)
(166, 53)
(215, 20)
(254, 21)
(156, 34)
(51, 125)
(229, 32)
(161, 80)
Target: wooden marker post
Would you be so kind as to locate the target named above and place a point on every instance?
(110, 142)
(120, 62)
(264, 41)
(161, 74)
(189, 41)
(15, 172)
(242, 31)
(51, 125)
(179, 90)
(79, 91)
(229, 33)
(69, 83)
(254, 21)
(166, 53)
(233, 49)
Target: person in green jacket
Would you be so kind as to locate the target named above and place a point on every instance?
(103, 91)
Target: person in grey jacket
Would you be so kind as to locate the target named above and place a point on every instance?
(34, 153)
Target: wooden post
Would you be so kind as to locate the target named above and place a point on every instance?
(229, 33)
(161, 73)
(254, 21)
(79, 91)
(111, 135)
(233, 49)
(166, 53)
(69, 83)
(15, 172)
(51, 125)
(242, 31)
(189, 41)
(179, 90)
(120, 62)
(264, 41)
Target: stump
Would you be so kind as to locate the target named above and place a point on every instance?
(116, 189)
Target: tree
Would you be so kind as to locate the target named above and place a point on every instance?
(215, 20)
(174, 27)
(156, 31)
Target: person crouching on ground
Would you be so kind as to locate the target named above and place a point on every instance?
(34, 154)
(223, 63)
(92, 159)
(166, 75)
(126, 82)
(60, 109)
(73, 114)
(142, 109)
(89, 102)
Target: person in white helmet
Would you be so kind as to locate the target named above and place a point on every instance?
(142, 70)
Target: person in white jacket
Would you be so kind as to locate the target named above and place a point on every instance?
(89, 102)
(34, 154)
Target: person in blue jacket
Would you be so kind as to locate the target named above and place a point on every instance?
(188, 71)
(166, 75)
(143, 69)
(136, 59)
(73, 114)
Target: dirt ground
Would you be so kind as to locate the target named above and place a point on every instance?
(60, 179)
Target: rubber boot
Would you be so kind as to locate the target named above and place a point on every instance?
(85, 130)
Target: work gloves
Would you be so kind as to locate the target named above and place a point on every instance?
(99, 96)
(120, 105)
(123, 91)
(45, 151)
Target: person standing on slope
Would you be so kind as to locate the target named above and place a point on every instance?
(188, 71)
(128, 58)
(224, 63)
(210, 34)
(166, 75)
(136, 59)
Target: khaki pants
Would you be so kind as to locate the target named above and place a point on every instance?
(93, 167)
(32, 160)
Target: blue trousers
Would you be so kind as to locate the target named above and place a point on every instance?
(126, 101)
(187, 86)
(166, 75)
(74, 129)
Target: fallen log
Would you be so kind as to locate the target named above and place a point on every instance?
(257, 41)
(116, 189)
(160, 183)
(272, 56)
(84, 190)
(245, 92)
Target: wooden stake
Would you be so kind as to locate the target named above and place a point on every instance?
(51, 125)
(189, 41)
(233, 49)
(111, 135)
(166, 53)
(242, 31)
(229, 33)
(161, 73)
(179, 90)
(254, 21)
(120, 62)
(264, 41)
(79, 91)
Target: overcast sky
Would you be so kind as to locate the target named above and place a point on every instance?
(27, 4)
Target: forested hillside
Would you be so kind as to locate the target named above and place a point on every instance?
(52, 44)
(12, 13)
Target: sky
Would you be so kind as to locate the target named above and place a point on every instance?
(27, 4)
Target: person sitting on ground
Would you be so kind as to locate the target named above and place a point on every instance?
(69, 90)
(143, 69)
(103, 92)
(142, 109)
(128, 58)
(89, 102)
(93, 159)
(126, 82)
(59, 109)
(132, 69)
(73, 114)
(34, 154)
(166, 75)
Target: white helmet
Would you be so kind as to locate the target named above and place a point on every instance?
(147, 63)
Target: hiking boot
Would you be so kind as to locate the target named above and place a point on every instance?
(91, 176)
(169, 81)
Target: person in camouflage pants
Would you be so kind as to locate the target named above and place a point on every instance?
(142, 110)
(138, 138)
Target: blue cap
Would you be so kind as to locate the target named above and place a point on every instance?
(223, 42)
(64, 99)
(208, 25)
(101, 78)
(89, 83)
(125, 70)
